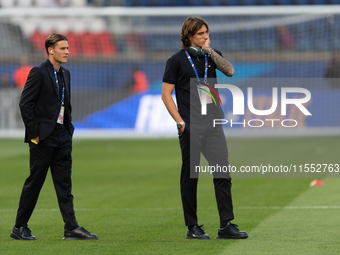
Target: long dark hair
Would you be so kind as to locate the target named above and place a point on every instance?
(189, 28)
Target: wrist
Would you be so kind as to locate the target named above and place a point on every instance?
(180, 124)
(209, 51)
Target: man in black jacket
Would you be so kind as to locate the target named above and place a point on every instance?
(46, 111)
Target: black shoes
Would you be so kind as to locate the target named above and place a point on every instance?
(197, 233)
(22, 233)
(231, 232)
(79, 234)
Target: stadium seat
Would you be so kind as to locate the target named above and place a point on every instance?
(234, 41)
(86, 41)
(96, 25)
(284, 2)
(249, 42)
(335, 35)
(105, 44)
(178, 2)
(73, 43)
(40, 3)
(78, 3)
(156, 42)
(140, 3)
(304, 40)
(321, 34)
(250, 2)
(27, 25)
(232, 2)
(38, 41)
(268, 39)
(301, 2)
(47, 25)
(194, 2)
(212, 2)
(334, 43)
(267, 2)
(161, 42)
(24, 3)
(78, 26)
(7, 3)
(320, 2)
(62, 26)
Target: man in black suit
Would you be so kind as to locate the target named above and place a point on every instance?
(46, 111)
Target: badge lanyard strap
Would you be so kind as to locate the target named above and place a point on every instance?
(62, 81)
(205, 67)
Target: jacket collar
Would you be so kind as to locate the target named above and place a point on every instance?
(50, 72)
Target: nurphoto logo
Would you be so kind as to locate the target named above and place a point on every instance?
(239, 105)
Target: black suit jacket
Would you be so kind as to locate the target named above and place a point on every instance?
(40, 102)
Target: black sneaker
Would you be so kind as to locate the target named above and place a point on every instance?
(79, 234)
(22, 233)
(197, 233)
(231, 232)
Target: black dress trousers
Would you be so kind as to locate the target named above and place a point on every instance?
(53, 152)
(211, 142)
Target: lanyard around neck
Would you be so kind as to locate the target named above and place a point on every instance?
(205, 67)
(62, 81)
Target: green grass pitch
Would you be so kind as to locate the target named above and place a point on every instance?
(127, 192)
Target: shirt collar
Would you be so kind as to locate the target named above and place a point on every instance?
(58, 72)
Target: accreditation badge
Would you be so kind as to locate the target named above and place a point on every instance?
(61, 115)
(203, 92)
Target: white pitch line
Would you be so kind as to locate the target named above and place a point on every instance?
(320, 207)
(287, 207)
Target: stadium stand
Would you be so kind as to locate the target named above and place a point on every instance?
(160, 3)
(13, 42)
(226, 2)
(104, 47)
(88, 36)
(320, 34)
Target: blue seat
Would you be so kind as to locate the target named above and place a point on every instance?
(302, 2)
(267, 2)
(139, 2)
(320, 2)
(176, 3)
(284, 2)
(303, 36)
(161, 2)
(194, 2)
(250, 2)
(268, 39)
(161, 43)
(232, 2)
(249, 41)
(232, 42)
(334, 43)
(321, 32)
(213, 2)
(304, 44)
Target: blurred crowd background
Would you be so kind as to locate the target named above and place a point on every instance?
(114, 57)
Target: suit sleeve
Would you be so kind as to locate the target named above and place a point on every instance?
(28, 100)
(69, 89)
(71, 127)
